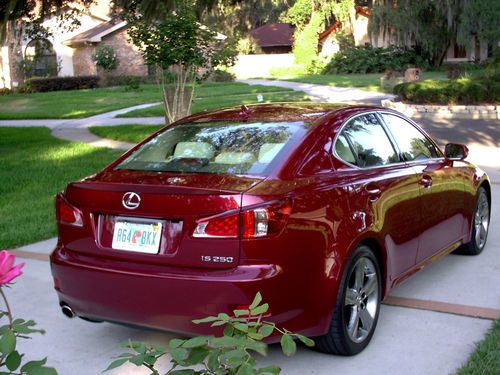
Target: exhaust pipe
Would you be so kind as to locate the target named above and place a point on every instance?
(68, 311)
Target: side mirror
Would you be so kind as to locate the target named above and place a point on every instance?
(454, 151)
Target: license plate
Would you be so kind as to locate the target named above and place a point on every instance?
(140, 237)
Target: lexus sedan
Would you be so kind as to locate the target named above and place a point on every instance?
(322, 209)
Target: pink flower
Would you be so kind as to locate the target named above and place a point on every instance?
(8, 271)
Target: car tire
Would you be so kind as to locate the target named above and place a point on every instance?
(480, 226)
(356, 308)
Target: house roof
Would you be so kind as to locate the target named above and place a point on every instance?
(273, 35)
(337, 26)
(95, 34)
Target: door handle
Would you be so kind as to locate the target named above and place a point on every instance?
(426, 181)
(373, 192)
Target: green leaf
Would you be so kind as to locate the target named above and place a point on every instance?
(238, 313)
(213, 360)
(182, 372)
(7, 342)
(260, 309)
(13, 361)
(266, 330)
(256, 346)
(116, 363)
(224, 342)
(196, 342)
(208, 319)
(175, 343)
(28, 366)
(42, 371)
(229, 330)
(179, 354)
(24, 327)
(257, 299)
(273, 370)
(241, 327)
(305, 340)
(288, 346)
(197, 356)
(246, 369)
(234, 358)
(223, 316)
(255, 336)
(218, 323)
(137, 360)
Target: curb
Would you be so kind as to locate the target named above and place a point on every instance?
(473, 112)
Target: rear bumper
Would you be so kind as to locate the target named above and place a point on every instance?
(169, 298)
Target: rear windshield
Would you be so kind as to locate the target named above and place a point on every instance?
(221, 147)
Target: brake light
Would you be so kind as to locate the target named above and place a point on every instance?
(267, 220)
(262, 221)
(66, 213)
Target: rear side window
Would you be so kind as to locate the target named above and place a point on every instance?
(364, 142)
(412, 143)
(217, 147)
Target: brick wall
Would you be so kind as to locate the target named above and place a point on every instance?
(130, 60)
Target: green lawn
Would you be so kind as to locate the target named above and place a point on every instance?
(84, 103)
(220, 99)
(485, 360)
(34, 167)
(126, 133)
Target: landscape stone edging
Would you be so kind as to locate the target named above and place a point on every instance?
(485, 112)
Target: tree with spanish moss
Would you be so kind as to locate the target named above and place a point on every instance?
(433, 25)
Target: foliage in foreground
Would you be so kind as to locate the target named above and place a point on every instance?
(11, 361)
(231, 353)
(486, 358)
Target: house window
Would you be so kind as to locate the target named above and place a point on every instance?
(42, 59)
(459, 52)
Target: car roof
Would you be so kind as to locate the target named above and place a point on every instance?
(279, 112)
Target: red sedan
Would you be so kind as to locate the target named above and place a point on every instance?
(323, 211)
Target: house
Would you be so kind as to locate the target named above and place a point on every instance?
(273, 38)
(68, 51)
(359, 21)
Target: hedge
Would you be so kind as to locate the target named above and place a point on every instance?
(463, 91)
(63, 83)
(368, 59)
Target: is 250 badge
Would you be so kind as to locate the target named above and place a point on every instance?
(216, 259)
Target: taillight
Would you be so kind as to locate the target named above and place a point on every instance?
(264, 220)
(66, 213)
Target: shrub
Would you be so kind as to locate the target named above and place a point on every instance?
(459, 91)
(222, 76)
(125, 80)
(105, 58)
(5, 91)
(368, 59)
(63, 83)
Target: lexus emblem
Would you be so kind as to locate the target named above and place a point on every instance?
(131, 200)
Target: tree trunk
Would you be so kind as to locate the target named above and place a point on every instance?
(177, 96)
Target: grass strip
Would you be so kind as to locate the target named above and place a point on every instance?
(34, 167)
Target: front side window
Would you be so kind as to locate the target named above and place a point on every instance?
(364, 141)
(412, 143)
(217, 147)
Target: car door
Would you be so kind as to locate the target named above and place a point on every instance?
(384, 195)
(441, 187)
